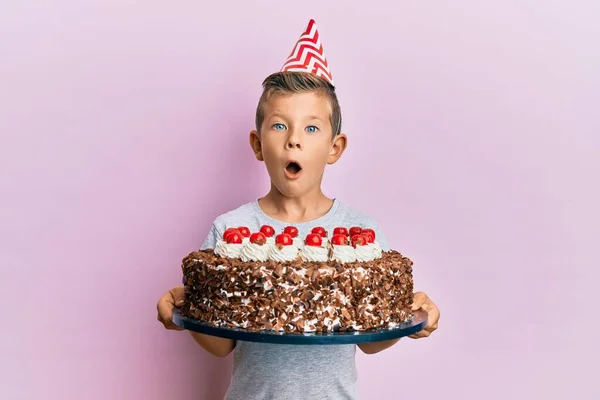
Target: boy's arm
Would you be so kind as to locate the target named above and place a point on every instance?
(376, 347)
(216, 346)
(219, 347)
(420, 301)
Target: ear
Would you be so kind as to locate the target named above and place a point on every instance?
(338, 145)
(256, 145)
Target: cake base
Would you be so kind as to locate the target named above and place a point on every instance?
(416, 323)
(298, 296)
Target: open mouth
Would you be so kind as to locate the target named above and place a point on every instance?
(293, 168)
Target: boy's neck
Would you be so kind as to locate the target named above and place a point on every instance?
(295, 210)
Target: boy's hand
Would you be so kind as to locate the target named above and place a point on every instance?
(173, 298)
(422, 301)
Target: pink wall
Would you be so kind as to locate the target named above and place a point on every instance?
(124, 132)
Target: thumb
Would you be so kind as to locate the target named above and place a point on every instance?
(418, 300)
(178, 296)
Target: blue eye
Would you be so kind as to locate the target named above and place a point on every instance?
(279, 127)
(312, 129)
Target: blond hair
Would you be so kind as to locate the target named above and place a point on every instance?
(299, 82)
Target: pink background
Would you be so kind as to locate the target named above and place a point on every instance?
(124, 133)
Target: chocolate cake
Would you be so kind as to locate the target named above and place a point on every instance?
(261, 281)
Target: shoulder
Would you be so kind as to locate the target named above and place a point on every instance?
(353, 217)
(235, 217)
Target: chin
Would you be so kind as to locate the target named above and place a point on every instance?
(290, 190)
(292, 194)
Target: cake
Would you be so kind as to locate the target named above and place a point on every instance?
(267, 281)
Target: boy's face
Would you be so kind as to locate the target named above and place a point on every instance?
(296, 142)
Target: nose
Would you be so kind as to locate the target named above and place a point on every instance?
(294, 141)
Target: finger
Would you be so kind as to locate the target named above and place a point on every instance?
(433, 315)
(419, 335)
(165, 311)
(178, 294)
(418, 300)
(432, 328)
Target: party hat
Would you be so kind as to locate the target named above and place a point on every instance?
(308, 55)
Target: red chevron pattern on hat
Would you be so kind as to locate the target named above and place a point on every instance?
(308, 55)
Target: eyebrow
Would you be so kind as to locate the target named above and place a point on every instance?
(281, 116)
(276, 116)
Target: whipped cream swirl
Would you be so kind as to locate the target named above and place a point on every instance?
(285, 253)
(298, 242)
(376, 249)
(364, 253)
(343, 254)
(315, 253)
(255, 252)
(229, 250)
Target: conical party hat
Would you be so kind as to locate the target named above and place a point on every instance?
(308, 55)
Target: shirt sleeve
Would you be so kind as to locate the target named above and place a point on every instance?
(381, 238)
(211, 239)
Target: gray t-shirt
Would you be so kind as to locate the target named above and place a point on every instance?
(263, 371)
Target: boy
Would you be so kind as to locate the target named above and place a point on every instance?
(298, 122)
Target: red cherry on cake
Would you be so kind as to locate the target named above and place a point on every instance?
(234, 238)
(313, 239)
(267, 230)
(355, 230)
(319, 231)
(359, 240)
(291, 230)
(340, 231)
(258, 238)
(284, 239)
(368, 236)
(339, 239)
(244, 231)
(228, 231)
(370, 232)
